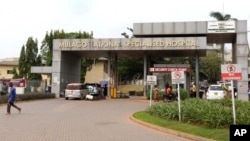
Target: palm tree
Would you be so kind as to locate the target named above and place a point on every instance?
(221, 17)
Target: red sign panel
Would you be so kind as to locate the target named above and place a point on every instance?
(231, 76)
(16, 82)
(169, 69)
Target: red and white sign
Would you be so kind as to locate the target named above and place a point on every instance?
(151, 79)
(177, 77)
(169, 69)
(231, 72)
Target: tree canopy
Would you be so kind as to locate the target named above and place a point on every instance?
(221, 17)
(28, 57)
(210, 65)
(47, 47)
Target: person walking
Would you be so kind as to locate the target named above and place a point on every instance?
(194, 90)
(156, 94)
(12, 99)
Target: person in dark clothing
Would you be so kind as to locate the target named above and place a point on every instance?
(167, 85)
(12, 99)
(105, 90)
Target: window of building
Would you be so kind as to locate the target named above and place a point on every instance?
(9, 71)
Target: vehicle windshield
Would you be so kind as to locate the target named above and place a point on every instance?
(74, 87)
(216, 88)
(93, 85)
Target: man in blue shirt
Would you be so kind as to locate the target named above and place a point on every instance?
(12, 99)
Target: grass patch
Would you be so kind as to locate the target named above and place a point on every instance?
(210, 133)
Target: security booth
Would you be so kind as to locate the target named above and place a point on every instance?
(163, 73)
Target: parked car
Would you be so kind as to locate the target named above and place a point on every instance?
(227, 85)
(76, 90)
(215, 92)
(94, 89)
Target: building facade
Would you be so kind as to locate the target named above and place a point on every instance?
(6, 67)
(164, 39)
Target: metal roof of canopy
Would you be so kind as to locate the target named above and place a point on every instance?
(166, 30)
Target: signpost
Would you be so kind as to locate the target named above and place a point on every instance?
(231, 72)
(177, 78)
(151, 80)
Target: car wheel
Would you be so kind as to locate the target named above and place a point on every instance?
(66, 98)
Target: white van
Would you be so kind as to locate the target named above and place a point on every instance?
(76, 90)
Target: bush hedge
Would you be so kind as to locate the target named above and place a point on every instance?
(183, 94)
(210, 113)
(28, 96)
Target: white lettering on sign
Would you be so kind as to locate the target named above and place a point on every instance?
(240, 132)
(169, 69)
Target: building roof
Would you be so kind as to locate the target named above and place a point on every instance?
(9, 61)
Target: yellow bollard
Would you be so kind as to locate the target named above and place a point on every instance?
(111, 92)
(114, 93)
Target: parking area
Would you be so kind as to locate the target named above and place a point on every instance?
(78, 120)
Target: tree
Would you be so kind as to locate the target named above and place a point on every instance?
(31, 58)
(129, 68)
(211, 66)
(130, 71)
(15, 74)
(47, 48)
(22, 64)
(126, 35)
(86, 65)
(28, 57)
(47, 45)
(221, 17)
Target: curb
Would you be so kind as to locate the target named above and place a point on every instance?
(169, 131)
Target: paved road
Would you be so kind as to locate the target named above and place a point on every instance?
(76, 120)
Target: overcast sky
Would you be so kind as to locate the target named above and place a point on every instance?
(21, 19)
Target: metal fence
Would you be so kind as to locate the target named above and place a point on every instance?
(35, 86)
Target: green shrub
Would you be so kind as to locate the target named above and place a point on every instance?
(210, 113)
(183, 93)
(148, 94)
(29, 96)
(3, 99)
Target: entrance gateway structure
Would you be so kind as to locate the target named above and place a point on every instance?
(151, 39)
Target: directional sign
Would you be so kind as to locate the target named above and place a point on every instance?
(231, 72)
(177, 77)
